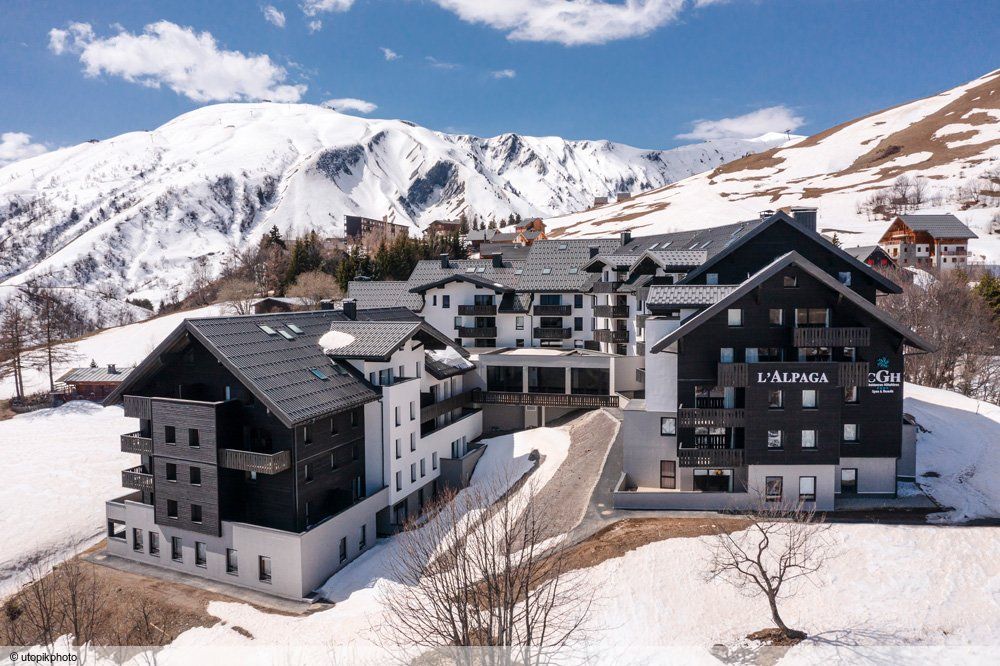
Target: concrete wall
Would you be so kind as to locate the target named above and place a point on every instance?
(875, 475)
(644, 447)
(906, 466)
(661, 368)
(502, 417)
(825, 474)
(456, 472)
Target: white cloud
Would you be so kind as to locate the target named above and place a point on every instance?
(314, 26)
(389, 54)
(189, 63)
(16, 146)
(569, 22)
(771, 119)
(440, 64)
(350, 104)
(274, 16)
(503, 74)
(314, 7)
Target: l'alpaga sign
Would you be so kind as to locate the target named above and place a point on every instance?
(792, 377)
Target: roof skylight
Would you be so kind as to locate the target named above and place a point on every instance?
(546, 271)
(294, 329)
(286, 335)
(319, 374)
(267, 329)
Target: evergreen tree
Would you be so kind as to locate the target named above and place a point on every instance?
(989, 290)
(836, 240)
(274, 238)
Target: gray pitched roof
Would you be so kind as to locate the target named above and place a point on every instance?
(368, 339)
(380, 293)
(513, 302)
(675, 295)
(98, 374)
(441, 366)
(710, 241)
(430, 270)
(508, 250)
(557, 265)
(461, 277)
(861, 252)
(772, 269)
(938, 226)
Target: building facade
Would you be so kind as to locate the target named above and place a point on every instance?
(928, 241)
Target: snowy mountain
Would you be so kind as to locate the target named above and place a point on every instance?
(947, 146)
(132, 212)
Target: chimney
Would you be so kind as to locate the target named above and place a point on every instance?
(498, 260)
(805, 216)
(112, 370)
(444, 261)
(626, 237)
(593, 251)
(764, 214)
(350, 308)
(326, 304)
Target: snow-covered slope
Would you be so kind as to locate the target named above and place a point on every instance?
(130, 213)
(948, 140)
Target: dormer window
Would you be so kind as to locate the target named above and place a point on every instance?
(546, 271)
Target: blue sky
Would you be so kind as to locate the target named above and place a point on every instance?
(640, 73)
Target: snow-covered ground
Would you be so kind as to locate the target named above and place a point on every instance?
(959, 449)
(124, 346)
(60, 466)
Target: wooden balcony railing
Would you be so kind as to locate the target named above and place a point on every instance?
(436, 409)
(137, 407)
(606, 287)
(710, 457)
(857, 336)
(611, 336)
(611, 311)
(547, 333)
(552, 310)
(732, 374)
(252, 461)
(477, 332)
(134, 442)
(852, 374)
(547, 399)
(137, 478)
(718, 418)
(477, 310)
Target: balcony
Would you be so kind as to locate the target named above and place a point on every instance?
(252, 461)
(546, 333)
(134, 442)
(832, 337)
(710, 457)
(477, 331)
(137, 407)
(552, 310)
(852, 374)
(436, 409)
(611, 336)
(711, 442)
(478, 310)
(547, 399)
(611, 311)
(718, 418)
(732, 374)
(606, 287)
(137, 478)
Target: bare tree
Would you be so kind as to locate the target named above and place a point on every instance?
(14, 342)
(475, 573)
(50, 331)
(238, 296)
(201, 281)
(785, 544)
(315, 286)
(83, 598)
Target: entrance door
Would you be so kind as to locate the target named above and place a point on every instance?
(849, 481)
(668, 474)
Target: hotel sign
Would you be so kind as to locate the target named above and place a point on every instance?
(792, 377)
(882, 381)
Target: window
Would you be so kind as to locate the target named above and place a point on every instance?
(171, 508)
(850, 354)
(423, 467)
(772, 488)
(200, 554)
(171, 472)
(774, 439)
(399, 449)
(170, 434)
(712, 278)
(434, 299)
(413, 472)
(343, 549)
(194, 440)
(726, 355)
(458, 322)
(809, 399)
(849, 481)
(399, 480)
(734, 316)
(194, 474)
(413, 410)
(850, 432)
(808, 439)
(363, 538)
(136, 539)
(577, 300)
(750, 355)
(413, 442)
(307, 434)
(519, 322)
(264, 569)
(195, 513)
(790, 281)
(807, 488)
(446, 302)
(851, 394)
(176, 552)
(577, 323)
(845, 278)
(668, 474)
(434, 460)
(668, 426)
(418, 370)
(399, 419)
(776, 316)
(814, 317)
(775, 399)
(333, 426)
(154, 544)
(232, 562)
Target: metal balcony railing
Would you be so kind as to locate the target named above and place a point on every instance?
(134, 442)
(253, 461)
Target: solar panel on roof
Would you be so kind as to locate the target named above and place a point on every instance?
(268, 329)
